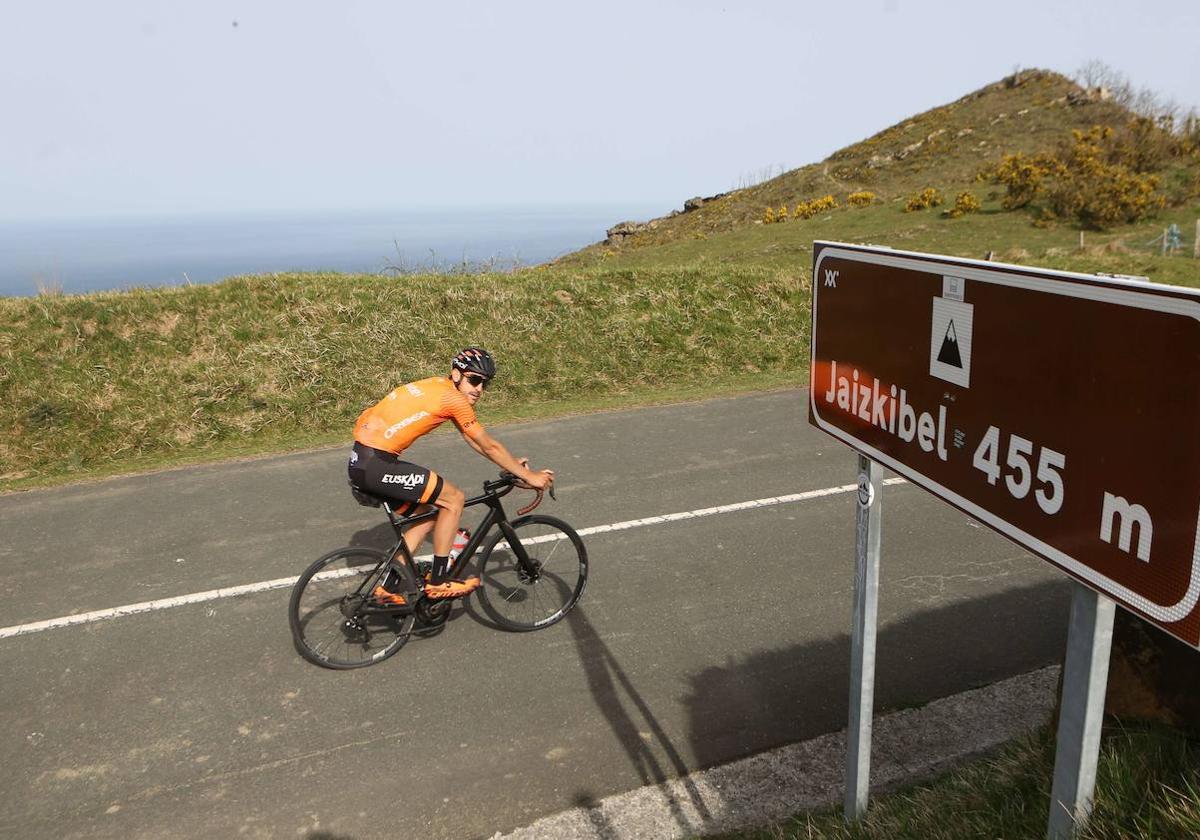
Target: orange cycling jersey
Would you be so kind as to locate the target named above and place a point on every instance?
(413, 410)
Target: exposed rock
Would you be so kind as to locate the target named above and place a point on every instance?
(964, 132)
(698, 202)
(623, 230)
(1089, 95)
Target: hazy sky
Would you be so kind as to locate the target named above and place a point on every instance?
(132, 107)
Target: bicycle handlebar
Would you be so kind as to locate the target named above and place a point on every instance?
(512, 481)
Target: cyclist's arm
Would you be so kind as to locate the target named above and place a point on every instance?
(495, 451)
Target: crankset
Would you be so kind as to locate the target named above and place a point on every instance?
(432, 614)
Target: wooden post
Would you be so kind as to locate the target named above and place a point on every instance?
(1080, 240)
(1164, 247)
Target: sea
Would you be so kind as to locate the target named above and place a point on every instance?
(89, 255)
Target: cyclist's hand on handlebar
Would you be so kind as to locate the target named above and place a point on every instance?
(540, 479)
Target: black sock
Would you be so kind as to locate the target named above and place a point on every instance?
(391, 581)
(441, 568)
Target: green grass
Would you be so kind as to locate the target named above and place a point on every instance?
(1010, 236)
(1148, 786)
(104, 383)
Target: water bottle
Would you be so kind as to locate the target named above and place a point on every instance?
(461, 536)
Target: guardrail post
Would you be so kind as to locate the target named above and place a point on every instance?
(862, 642)
(1085, 677)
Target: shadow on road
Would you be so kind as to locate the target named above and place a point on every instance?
(633, 723)
(782, 696)
(381, 536)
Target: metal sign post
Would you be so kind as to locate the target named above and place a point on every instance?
(862, 650)
(1085, 677)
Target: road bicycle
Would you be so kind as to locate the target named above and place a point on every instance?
(532, 570)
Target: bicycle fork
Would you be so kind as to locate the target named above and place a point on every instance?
(530, 570)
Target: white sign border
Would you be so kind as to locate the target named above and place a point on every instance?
(1135, 295)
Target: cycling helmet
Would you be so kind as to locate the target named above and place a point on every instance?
(475, 360)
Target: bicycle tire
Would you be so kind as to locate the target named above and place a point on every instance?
(330, 616)
(507, 594)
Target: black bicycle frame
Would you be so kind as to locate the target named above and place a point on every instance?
(495, 516)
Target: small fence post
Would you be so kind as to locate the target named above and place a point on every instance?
(1196, 242)
(1164, 245)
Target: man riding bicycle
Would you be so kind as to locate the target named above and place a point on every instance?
(386, 429)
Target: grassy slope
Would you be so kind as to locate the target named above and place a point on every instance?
(707, 302)
(100, 383)
(1148, 782)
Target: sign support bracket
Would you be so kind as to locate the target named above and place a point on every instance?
(862, 648)
(1085, 678)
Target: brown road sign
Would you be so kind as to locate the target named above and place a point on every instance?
(1060, 409)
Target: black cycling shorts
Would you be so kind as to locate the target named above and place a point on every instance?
(383, 474)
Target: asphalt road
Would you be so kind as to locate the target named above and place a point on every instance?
(697, 642)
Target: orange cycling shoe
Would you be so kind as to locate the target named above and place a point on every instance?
(451, 588)
(389, 599)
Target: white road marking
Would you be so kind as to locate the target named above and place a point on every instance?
(282, 583)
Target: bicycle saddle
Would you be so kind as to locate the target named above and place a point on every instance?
(363, 497)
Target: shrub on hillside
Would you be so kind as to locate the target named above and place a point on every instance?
(1022, 176)
(810, 208)
(963, 204)
(1097, 193)
(1096, 179)
(928, 197)
(768, 215)
(1146, 146)
(861, 198)
(781, 215)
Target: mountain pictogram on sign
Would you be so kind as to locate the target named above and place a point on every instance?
(949, 354)
(950, 339)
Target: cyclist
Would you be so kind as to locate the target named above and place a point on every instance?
(387, 428)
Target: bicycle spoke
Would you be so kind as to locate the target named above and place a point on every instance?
(328, 611)
(539, 592)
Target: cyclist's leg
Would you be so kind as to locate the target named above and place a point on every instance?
(416, 534)
(450, 507)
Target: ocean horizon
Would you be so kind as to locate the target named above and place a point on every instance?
(88, 255)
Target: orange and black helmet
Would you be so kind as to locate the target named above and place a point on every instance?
(475, 360)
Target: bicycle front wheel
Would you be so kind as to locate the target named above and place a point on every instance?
(335, 623)
(533, 580)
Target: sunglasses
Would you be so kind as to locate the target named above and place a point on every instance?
(476, 379)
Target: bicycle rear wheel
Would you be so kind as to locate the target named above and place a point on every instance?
(335, 623)
(530, 595)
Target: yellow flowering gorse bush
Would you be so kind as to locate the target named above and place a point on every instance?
(928, 197)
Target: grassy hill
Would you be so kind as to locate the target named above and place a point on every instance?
(699, 303)
(944, 148)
